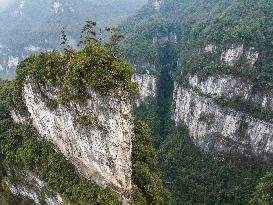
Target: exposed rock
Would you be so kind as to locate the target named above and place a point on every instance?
(18, 118)
(157, 4)
(32, 48)
(148, 86)
(222, 86)
(100, 151)
(34, 192)
(57, 7)
(17, 190)
(232, 55)
(252, 56)
(230, 86)
(219, 130)
(12, 62)
(210, 48)
(162, 39)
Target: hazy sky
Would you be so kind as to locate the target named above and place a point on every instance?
(5, 3)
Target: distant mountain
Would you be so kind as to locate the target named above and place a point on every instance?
(30, 26)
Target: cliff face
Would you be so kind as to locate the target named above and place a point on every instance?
(101, 150)
(32, 187)
(217, 129)
(233, 125)
(233, 87)
(148, 86)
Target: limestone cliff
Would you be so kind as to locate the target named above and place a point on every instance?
(218, 128)
(231, 86)
(221, 130)
(101, 150)
(148, 86)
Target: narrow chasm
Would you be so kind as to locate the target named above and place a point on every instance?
(167, 63)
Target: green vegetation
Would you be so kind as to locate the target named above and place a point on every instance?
(99, 65)
(6, 198)
(146, 173)
(51, 103)
(221, 23)
(85, 120)
(10, 92)
(194, 177)
(230, 22)
(23, 150)
(263, 194)
(139, 47)
(39, 22)
(197, 178)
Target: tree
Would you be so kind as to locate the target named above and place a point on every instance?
(264, 191)
(88, 33)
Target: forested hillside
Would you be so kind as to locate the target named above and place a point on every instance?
(204, 106)
(178, 41)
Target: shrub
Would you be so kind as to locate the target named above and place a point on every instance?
(264, 191)
(97, 64)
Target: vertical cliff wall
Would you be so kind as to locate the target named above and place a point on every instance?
(148, 87)
(101, 148)
(216, 129)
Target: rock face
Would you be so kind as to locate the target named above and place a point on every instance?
(33, 192)
(156, 4)
(220, 130)
(162, 39)
(101, 150)
(230, 86)
(148, 86)
(232, 55)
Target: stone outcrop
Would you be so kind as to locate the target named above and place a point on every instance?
(163, 39)
(34, 190)
(148, 86)
(230, 86)
(156, 4)
(232, 55)
(101, 150)
(221, 130)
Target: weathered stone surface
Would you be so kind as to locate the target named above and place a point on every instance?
(148, 86)
(34, 192)
(100, 151)
(210, 48)
(252, 55)
(222, 85)
(232, 55)
(156, 4)
(230, 86)
(218, 130)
